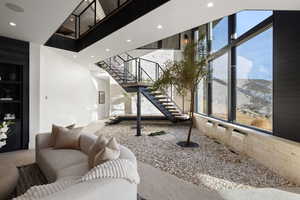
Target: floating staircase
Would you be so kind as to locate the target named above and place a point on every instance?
(138, 74)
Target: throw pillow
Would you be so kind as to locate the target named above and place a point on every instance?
(110, 152)
(67, 138)
(55, 130)
(98, 146)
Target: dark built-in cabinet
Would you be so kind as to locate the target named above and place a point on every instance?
(14, 91)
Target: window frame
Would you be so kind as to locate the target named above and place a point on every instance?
(233, 43)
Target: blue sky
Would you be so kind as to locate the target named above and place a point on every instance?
(256, 53)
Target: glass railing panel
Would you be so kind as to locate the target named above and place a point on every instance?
(68, 29)
(131, 68)
(109, 6)
(100, 14)
(89, 13)
(87, 19)
(149, 70)
(82, 6)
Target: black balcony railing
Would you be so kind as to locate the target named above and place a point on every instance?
(87, 15)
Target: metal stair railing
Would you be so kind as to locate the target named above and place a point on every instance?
(158, 70)
(120, 65)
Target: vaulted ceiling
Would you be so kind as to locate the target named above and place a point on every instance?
(42, 18)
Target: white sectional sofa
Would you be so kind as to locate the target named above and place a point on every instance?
(60, 163)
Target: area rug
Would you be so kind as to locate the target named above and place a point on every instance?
(31, 175)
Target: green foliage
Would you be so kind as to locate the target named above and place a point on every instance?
(6, 124)
(185, 74)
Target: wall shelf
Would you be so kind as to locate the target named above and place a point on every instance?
(14, 84)
(10, 82)
(11, 101)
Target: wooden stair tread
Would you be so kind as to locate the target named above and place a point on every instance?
(174, 111)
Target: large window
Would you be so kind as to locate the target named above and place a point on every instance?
(254, 81)
(220, 87)
(240, 79)
(219, 34)
(246, 20)
(201, 98)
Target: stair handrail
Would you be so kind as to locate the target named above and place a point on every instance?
(159, 67)
(122, 78)
(140, 69)
(109, 66)
(126, 71)
(171, 98)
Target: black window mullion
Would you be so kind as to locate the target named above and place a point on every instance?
(209, 67)
(232, 70)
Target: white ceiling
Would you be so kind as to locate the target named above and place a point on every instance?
(40, 19)
(38, 23)
(175, 16)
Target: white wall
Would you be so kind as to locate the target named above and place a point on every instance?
(103, 84)
(62, 91)
(68, 93)
(34, 88)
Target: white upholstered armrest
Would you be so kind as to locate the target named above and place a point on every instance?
(43, 140)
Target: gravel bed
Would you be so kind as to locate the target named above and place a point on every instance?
(211, 166)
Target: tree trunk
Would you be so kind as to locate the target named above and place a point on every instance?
(191, 116)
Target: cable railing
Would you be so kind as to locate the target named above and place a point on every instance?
(87, 15)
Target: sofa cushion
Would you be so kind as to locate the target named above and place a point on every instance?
(67, 138)
(86, 141)
(110, 152)
(51, 161)
(98, 146)
(74, 170)
(55, 131)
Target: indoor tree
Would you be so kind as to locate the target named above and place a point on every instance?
(185, 75)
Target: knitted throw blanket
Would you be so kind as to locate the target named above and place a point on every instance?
(41, 191)
(118, 169)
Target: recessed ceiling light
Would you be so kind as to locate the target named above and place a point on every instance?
(12, 24)
(74, 56)
(107, 50)
(92, 56)
(128, 40)
(14, 7)
(159, 26)
(210, 4)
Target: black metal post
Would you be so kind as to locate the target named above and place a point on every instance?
(156, 71)
(125, 71)
(138, 113)
(136, 71)
(79, 24)
(139, 71)
(95, 14)
(76, 26)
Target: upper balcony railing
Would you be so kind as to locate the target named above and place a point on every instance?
(87, 15)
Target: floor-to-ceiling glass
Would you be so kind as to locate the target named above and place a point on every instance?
(246, 20)
(220, 87)
(254, 73)
(219, 34)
